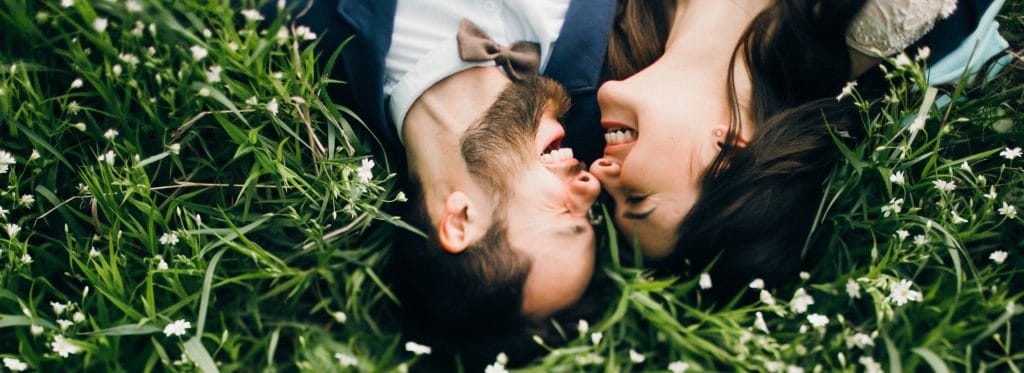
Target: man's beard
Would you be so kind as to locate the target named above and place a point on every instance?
(498, 147)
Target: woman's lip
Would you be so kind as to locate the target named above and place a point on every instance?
(618, 150)
(610, 124)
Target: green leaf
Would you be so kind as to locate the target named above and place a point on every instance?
(933, 360)
(198, 354)
(130, 329)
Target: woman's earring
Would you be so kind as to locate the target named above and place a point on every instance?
(718, 133)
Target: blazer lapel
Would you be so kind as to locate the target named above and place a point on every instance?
(578, 56)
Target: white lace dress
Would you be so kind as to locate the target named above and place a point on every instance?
(886, 27)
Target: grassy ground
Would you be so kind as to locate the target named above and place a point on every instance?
(177, 192)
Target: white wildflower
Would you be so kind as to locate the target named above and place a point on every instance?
(162, 265)
(897, 178)
(817, 320)
(847, 90)
(251, 101)
(339, 316)
(852, 289)
(12, 229)
(64, 324)
(67, 3)
(213, 74)
(794, 369)
(582, 327)
(3, 212)
(495, 368)
(80, 126)
(59, 308)
(766, 297)
(1010, 153)
(78, 317)
(177, 328)
(1009, 211)
(801, 300)
(14, 364)
(944, 186)
(116, 69)
(773, 366)
(198, 52)
(966, 167)
(35, 329)
(998, 256)
(365, 171)
(133, 6)
(859, 340)
(282, 35)
(870, 365)
(596, 337)
(93, 253)
(346, 360)
(920, 240)
(64, 348)
(902, 60)
(77, 83)
(107, 157)
(705, 281)
(304, 33)
(902, 234)
(6, 159)
(272, 106)
(923, 53)
(417, 348)
(636, 357)
(895, 206)
(207, 33)
(757, 284)
(991, 193)
(252, 15)
(26, 200)
(900, 293)
(128, 58)
(34, 155)
(759, 323)
(205, 91)
(26, 259)
(678, 367)
(174, 148)
(169, 238)
(957, 219)
(232, 46)
(100, 24)
(804, 275)
(111, 134)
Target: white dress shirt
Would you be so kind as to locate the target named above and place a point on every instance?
(424, 49)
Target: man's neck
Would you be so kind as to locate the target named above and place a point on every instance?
(436, 122)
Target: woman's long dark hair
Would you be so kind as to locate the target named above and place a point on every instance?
(757, 202)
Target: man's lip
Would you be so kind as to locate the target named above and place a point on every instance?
(553, 137)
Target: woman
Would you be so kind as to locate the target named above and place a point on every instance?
(726, 162)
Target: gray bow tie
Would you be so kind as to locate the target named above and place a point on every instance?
(520, 60)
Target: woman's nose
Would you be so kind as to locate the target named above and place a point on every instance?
(607, 172)
(584, 188)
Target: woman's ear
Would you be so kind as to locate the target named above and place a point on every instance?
(455, 230)
(719, 134)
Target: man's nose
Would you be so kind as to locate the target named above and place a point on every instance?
(584, 188)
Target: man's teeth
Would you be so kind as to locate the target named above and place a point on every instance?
(619, 136)
(557, 155)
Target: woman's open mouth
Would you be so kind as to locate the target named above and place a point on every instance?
(619, 136)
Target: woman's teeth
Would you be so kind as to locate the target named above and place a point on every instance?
(618, 136)
(557, 155)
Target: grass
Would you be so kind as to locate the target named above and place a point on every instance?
(176, 165)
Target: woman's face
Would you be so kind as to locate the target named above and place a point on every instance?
(664, 126)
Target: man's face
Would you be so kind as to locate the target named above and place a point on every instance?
(545, 192)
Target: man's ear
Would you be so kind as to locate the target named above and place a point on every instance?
(455, 229)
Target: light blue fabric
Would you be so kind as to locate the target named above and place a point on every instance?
(977, 49)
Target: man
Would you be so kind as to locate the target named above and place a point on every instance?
(503, 205)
